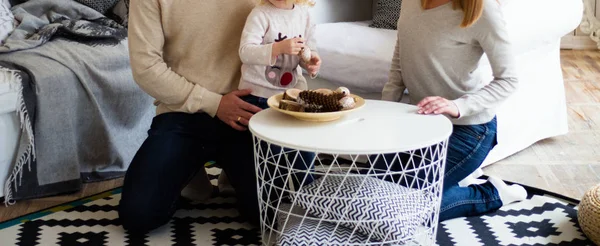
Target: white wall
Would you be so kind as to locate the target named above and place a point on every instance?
(327, 11)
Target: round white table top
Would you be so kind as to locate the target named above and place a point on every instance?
(377, 128)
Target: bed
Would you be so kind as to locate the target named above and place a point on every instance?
(355, 55)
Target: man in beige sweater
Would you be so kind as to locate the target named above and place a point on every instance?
(185, 55)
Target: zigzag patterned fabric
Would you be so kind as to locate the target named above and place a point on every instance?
(296, 231)
(383, 210)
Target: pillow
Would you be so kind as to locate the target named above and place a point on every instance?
(386, 14)
(101, 6)
(298, 232)
(7, 21)
(120, 13)
(392, 212)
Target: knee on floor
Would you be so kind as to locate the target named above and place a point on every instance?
(140, 220)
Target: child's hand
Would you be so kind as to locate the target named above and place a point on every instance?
(289, 46)
(315, 64)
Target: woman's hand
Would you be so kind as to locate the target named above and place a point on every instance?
(438, 105)
(314, 66)
(236, 112)
(291, 46)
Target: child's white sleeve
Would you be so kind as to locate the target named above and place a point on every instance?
(302, 83)
(252, 51)
(311, 29)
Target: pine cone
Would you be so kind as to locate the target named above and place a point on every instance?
(328, 103)
(313, 108)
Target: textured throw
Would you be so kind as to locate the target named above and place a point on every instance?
(82, 114)
(542, 219)
(6, 21)
(120, 13)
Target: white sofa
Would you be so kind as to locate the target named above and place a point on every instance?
(359, 57)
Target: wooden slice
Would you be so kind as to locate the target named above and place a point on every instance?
(291, 106)
(291, 94)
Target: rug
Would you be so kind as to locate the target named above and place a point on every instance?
(543, 219)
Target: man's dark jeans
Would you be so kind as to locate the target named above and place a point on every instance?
(177, 147)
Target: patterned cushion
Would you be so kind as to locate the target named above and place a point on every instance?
(298, 232)
(120, 13)
(387, 13)
(7, 21)
(101, 6)
(392, 212)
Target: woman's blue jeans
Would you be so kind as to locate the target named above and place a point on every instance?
(468, 147)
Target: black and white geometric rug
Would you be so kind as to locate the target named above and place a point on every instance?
(543, 219)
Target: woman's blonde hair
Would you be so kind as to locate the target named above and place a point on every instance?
(299, 2)
(472, 9)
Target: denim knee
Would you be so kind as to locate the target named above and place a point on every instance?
(141, 218)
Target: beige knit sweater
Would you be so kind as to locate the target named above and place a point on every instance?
(185, 53)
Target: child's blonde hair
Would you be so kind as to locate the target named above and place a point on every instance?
(299, 2)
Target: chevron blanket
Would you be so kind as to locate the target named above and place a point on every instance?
(82, 114)
(296, 227)
(381, 210)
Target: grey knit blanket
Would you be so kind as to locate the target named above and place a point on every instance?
(83, 116)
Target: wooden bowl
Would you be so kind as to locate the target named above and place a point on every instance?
(273, 102)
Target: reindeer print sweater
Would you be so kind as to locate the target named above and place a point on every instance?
(266, 25)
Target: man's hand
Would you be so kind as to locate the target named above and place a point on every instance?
(314, 66)
(289, 46)
(438, 105)
(236, 112)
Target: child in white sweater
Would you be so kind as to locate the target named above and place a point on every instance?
(278, 33)
(277, 42)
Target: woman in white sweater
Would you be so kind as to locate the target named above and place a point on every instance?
(440, 44)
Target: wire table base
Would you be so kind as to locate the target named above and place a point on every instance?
(312, 198)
